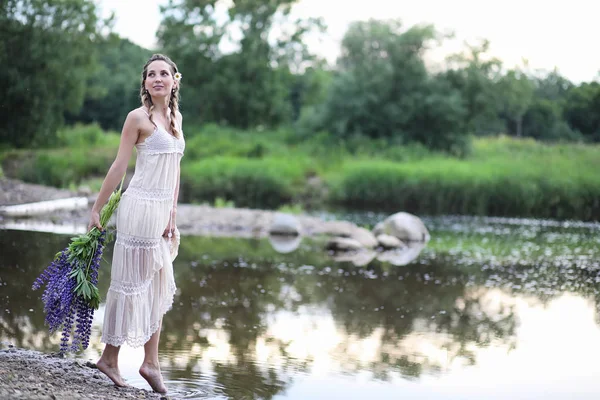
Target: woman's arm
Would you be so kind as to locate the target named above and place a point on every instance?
(176, 194)
(172, 226)
(129, 137)
(173, 220)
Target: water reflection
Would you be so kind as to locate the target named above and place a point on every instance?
(285, 243)
(403, 256)
(249, 322)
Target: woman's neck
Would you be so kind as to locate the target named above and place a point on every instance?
(161, 107)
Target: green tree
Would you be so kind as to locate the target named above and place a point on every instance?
(474, 74)
(383, 89)
(582, 109)
(309, 89)
(249, 85)
(544, 118)
(114, 86)
(552, 86)
(544, 121)
(516, 90)
(47, 53)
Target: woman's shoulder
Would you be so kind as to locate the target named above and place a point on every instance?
(137, 121)
(137, 116)
(138, 113)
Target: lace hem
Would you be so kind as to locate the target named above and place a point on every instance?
(135, 341)
(129, 288)
(130, 241)
(140, 340)
(149, 194)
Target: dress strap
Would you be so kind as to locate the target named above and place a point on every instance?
(148, 115)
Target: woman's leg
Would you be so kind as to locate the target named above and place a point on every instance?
(109, 364)
(150, 368)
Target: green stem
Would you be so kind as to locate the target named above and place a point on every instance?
(87, 270)
(104, 217)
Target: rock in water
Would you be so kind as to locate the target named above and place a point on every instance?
(364, 237)
(285, 224)
(389, 242)
(285, 243)
(343, 244)
(402, 256)
(404, 226)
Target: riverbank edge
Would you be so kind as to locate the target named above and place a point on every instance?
(28, 374)
(192, 219)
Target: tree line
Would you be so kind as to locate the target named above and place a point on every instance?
(63, 64)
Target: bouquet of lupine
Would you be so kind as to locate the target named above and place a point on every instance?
(71, 295)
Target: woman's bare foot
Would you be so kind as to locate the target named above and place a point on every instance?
(153, 376)
(112, 372)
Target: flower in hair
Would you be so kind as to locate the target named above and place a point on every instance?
(177, 76)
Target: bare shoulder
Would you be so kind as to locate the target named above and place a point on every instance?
(137, 115)
(137, 120)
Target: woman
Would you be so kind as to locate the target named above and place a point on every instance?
(142, 285)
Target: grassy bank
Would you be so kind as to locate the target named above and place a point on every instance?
(268, 169)
(503, 177)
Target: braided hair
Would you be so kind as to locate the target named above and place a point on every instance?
(173, 100)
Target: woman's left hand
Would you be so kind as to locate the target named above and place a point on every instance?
(171, 226)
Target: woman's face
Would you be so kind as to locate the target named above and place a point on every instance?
(159, 80)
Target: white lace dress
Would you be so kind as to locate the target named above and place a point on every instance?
(142, 284)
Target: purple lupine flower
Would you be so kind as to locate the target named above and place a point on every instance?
(67, 327)
(71, 293)
(66, 309)
(97, 258)
(58, 294)
(50, 270)
(85, 315)
(80, 331)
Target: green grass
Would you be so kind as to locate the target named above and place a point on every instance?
(266, 183)
(81, 153)
(82, 136)
(214, 141)
(503, 177)
(58, 167)
(273, 168)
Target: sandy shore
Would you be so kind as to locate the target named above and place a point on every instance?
(26, 374)
(13, 192)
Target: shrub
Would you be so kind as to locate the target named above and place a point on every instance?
(84, 136)
(247, 182)
(505, 177)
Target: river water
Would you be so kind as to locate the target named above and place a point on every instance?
(490, 308)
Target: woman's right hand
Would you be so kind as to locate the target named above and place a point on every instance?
(94, 221)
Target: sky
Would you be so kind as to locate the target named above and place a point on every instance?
(558, 34)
